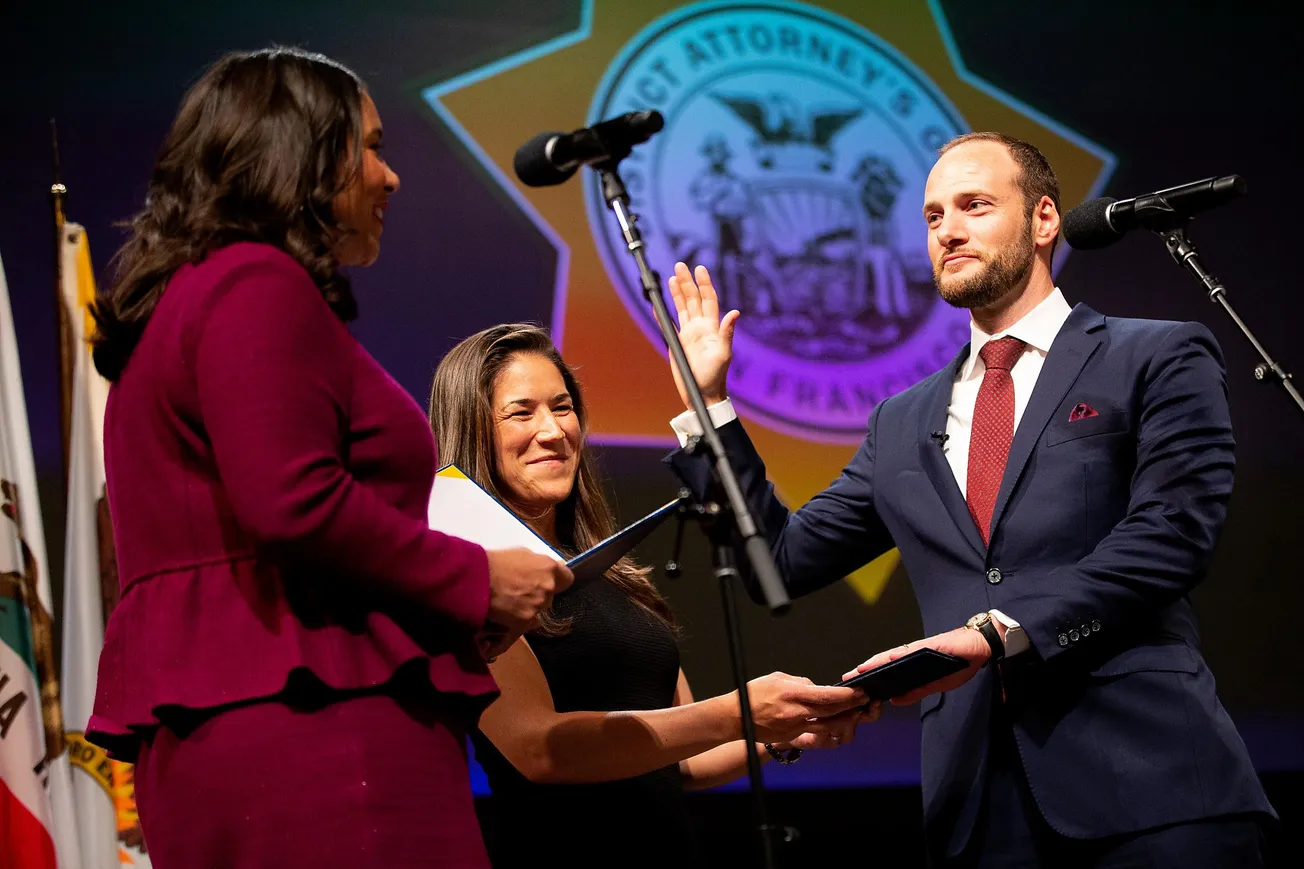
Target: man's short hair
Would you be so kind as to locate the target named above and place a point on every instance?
(1036, 177)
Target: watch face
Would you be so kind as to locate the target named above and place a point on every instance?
(979, 620)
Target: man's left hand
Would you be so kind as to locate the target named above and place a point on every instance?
(964, 643)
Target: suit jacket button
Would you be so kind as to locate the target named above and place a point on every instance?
(1085, 629)
(994, 576)
(1063, 639)
(1095, 625)
(1074, 635)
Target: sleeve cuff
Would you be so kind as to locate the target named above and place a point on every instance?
(1016, 639)
(686, 425)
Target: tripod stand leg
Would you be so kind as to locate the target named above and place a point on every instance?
(772, 837)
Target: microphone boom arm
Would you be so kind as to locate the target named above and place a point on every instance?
(1185, 255)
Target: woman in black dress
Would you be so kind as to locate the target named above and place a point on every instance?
(596, 732)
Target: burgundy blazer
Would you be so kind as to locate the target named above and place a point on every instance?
(268, 483)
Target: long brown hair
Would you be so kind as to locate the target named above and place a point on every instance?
(462, 418)
(261, 146)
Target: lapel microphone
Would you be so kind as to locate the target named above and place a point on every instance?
(940, 437)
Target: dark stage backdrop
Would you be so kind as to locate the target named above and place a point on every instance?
(797, 142)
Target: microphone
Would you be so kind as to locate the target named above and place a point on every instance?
(1100, 222)
(551, 158)
(941, 437)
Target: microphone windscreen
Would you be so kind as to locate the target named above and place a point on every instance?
(1086, 227)
(648, 123)
(533, 166)
(1229, 187)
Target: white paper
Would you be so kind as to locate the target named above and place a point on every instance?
(458, 506)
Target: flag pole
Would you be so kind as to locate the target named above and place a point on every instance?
(58, 199)
(43, 622)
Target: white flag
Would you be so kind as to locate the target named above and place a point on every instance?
(102, 789)
(36, 814)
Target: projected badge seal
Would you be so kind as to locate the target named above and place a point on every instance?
(792, 165)
(793, 162)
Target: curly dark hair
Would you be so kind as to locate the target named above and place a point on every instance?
(261, 146)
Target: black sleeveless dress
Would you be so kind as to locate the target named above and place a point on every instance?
(616, 656)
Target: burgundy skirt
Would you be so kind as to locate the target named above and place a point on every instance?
(369, 780)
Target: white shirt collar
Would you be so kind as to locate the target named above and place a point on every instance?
(1037, 329)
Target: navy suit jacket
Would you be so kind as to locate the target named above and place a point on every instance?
(1102, 527)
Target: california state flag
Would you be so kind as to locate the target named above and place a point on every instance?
(103, 791)
(36, 824)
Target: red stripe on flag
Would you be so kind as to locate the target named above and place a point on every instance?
(24, 842)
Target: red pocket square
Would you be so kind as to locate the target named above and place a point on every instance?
(1082, 411)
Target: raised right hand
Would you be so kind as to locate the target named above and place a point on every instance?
(521, 585)
(707, 338)
(783, 705)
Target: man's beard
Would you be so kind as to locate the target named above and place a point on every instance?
(994, 280)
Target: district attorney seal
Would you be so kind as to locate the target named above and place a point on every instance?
(793, 164)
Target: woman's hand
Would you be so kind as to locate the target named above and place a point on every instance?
(836, 731)
(521, 585)
(784, 706)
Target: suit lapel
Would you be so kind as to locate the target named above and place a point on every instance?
(1073, 346)
(933, 459)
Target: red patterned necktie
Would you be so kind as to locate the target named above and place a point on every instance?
(992, 431)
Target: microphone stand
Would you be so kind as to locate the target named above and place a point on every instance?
(1184, 253)
(722, 523)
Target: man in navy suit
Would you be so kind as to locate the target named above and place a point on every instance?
(1055, 493)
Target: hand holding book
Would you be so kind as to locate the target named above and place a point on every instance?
(524, 571)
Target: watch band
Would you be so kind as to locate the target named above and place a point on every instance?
(986, 626)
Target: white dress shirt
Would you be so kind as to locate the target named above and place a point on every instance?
(1037, 329)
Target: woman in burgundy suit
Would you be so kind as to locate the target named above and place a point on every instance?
(296, 657)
